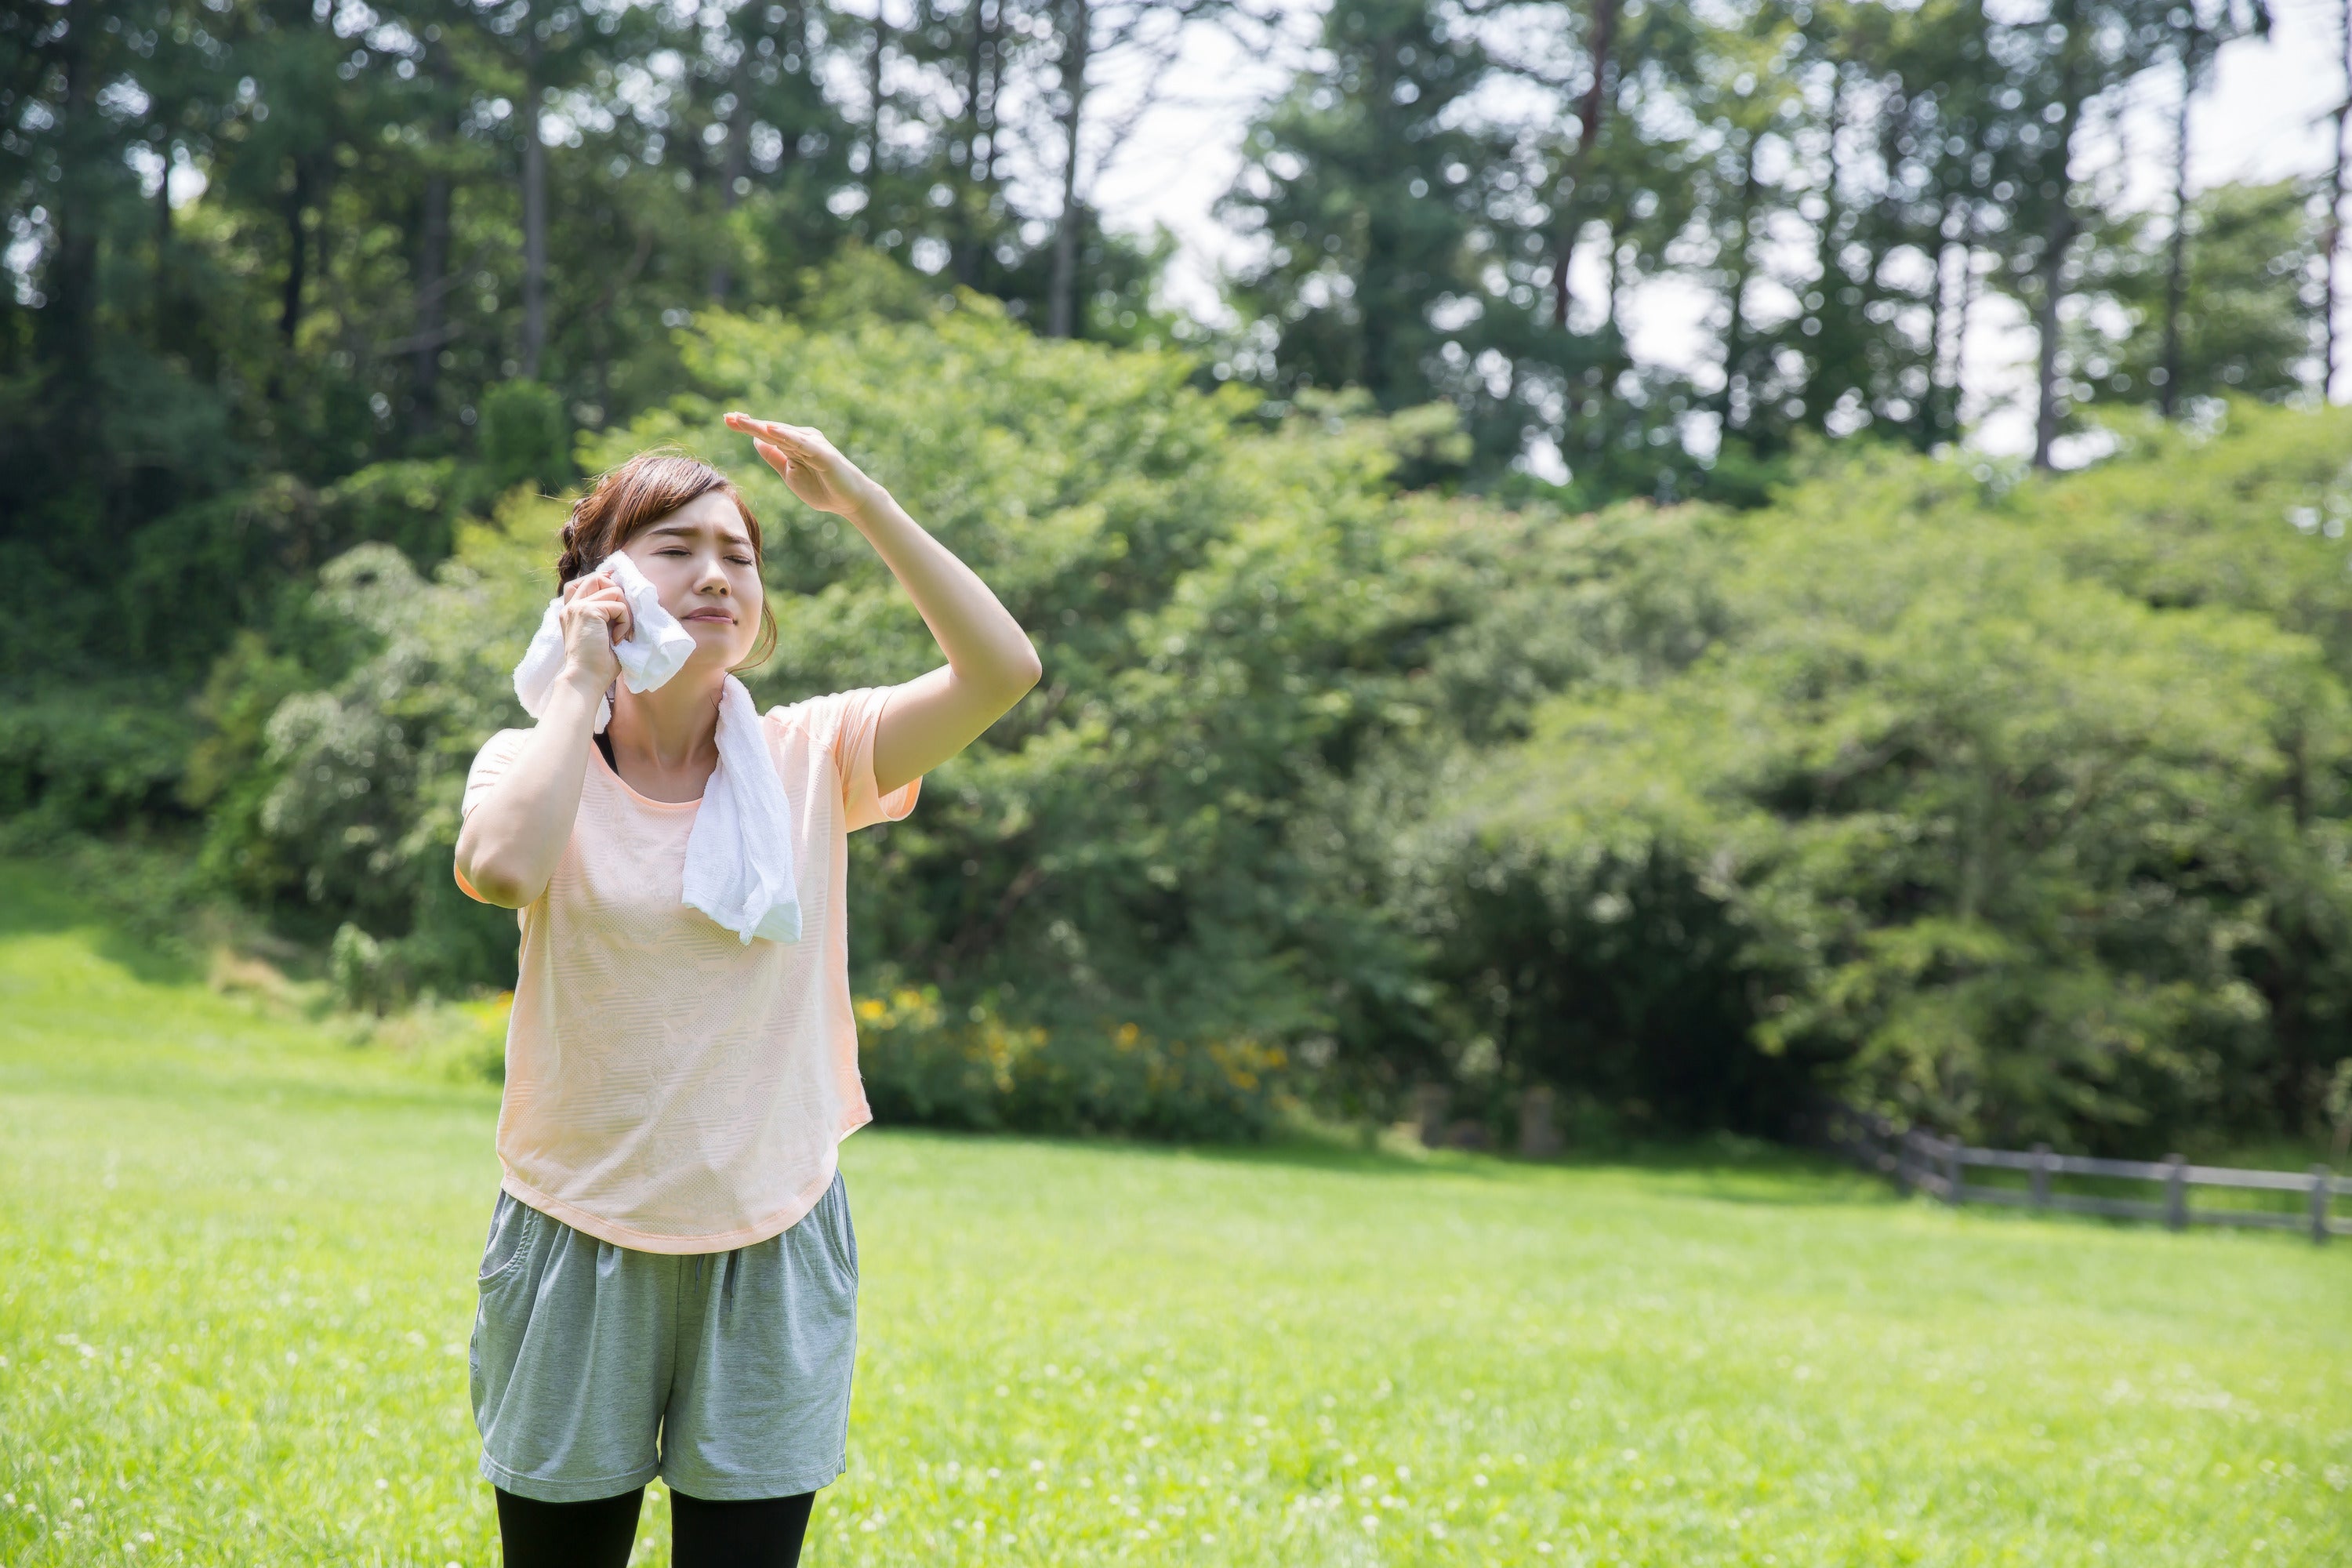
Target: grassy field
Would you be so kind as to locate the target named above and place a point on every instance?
(234, 1305)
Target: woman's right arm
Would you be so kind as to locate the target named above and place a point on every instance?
(510, 841)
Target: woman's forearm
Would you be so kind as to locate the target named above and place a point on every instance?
(990, 662)
(511, 840)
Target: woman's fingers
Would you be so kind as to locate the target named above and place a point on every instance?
(792, 437)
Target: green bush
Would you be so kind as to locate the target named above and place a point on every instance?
(90, 759)
(2014, 831)
(924, 1062)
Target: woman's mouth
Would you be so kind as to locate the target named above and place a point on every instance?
(721, 616)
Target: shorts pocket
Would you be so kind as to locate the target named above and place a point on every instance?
(508, 1241)
(840, 1234)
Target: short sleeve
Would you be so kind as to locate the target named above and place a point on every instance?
(491, 764)
(845, 724)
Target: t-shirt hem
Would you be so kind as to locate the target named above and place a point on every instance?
(636, 1240)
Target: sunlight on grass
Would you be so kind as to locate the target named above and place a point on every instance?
(234, 1305)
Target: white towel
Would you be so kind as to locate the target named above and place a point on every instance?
(738, 855)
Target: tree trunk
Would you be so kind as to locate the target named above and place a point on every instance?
(2060, 241)
(289, 301)
(735, 163)
(2336, 212)
(1588, 122)
(1735, 348)
(534, 212)
(1938, 303)
(874, 100)
(1957, 399)
(432, 298)
(979, 106)
(1060, 306)
(433, 283)
(65, 328)
(1828, 248)
(163, 281)
(2176, 263)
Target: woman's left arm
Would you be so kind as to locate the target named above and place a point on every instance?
(991, 664)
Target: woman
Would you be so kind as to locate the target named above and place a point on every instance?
(669, 1286)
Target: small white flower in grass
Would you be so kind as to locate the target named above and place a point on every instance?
(1370, 1523)
(382, 1485)
(74, 1502)
(1477, 1480)
(1544, 1547)
(148, 1536)
(292, 1358)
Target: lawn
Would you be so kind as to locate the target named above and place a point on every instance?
(233, 1255)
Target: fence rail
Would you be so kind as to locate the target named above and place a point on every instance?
(1921, 1162)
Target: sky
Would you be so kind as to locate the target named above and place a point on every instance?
(2264, 116)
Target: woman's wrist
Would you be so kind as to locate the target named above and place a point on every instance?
(871, 505)
(586, 686)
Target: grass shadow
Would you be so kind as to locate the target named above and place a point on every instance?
(43, 898)
(1719, 1169)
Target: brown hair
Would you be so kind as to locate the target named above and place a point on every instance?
(624, 501)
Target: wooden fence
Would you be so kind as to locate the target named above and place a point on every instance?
(1921, 1162)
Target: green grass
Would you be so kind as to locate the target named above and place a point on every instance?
(234, 1269)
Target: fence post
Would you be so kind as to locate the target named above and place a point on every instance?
(2320, 1182)
(2176, 1193)
(1952, 1172)
(2039, 1175)
(1429, 1102)
(1539, 1139)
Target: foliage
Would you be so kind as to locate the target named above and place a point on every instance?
(1223, 620)
(971, 1068)
(2245, 322)
(255, 250)
(238, 1254)
(2016, 810)
(1995, 831)
(351, 815)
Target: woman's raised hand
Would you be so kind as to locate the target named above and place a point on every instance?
(595, 620)
(814, 469)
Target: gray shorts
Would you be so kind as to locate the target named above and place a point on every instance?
(597, 1367)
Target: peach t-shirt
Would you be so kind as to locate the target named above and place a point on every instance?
(670, 1088)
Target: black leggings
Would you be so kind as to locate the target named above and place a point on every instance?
(763, 1533)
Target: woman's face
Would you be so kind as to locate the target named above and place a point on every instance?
(699, 560)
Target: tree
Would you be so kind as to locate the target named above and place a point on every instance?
(2218, 316)
(1370, 199)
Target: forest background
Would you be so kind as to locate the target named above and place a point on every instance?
(1436, 692)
